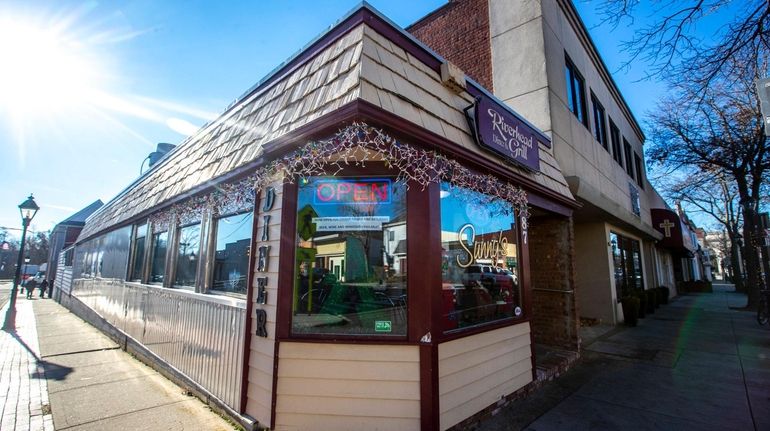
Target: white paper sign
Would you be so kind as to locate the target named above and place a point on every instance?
(334, 224)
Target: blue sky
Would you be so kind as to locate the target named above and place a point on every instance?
(114, 78)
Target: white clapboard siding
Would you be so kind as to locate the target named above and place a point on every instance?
(348, 387)
(476, 371)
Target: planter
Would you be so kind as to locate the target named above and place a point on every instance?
(630, 310)
(652, 300)
(663, 293)
(640, 295)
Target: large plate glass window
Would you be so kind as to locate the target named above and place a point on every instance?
(627, 263)
(350, 269)
(158, 267)
(188, 254)
(231, 261)
(137, 263)
(479, 270)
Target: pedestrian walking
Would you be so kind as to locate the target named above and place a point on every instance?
(43, 287)
(31, 284)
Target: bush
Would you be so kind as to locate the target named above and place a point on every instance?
(630, 310)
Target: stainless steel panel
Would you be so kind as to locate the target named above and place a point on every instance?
(200, 335)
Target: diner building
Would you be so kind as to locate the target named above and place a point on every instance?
(357, 242)
(539, 59)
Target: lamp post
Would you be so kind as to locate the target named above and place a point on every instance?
(28, 209)
(23, 273)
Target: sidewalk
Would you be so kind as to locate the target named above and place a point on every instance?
(54, 357)
(695, 364)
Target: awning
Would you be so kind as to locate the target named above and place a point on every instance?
(677, 237)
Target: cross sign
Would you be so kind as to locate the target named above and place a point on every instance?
(666, 226)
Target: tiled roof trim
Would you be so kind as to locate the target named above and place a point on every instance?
(320, 86)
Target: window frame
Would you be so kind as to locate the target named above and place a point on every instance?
(165, 265)
(600, 121)
(132, 261)
(617, 151)
(627, 247)
(520, 262)
(291, 206)
(174, 256)
(211, 251)
(576, 105)
(639, 170)
(627, 152)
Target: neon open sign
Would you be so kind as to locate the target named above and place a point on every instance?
(365, 191)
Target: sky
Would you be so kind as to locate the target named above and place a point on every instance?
(88, 88)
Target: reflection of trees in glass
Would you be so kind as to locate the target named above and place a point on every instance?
(472, 228)
(341, 287)
(231, 260)
(159, 244)
(627, 261)
(187, 256)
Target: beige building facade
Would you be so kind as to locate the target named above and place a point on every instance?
(541, 62)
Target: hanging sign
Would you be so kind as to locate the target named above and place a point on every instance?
(498, 130)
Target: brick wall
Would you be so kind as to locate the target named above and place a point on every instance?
(459, 32)
(555, 319)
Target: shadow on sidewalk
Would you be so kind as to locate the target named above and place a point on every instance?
(45, 369)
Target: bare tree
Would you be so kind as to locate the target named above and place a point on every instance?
(720, 130)
(670, 42)
(714, 195)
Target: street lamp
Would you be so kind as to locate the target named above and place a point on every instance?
(28, 209)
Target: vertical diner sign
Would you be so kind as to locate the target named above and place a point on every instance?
(498, 130)
(262, 264)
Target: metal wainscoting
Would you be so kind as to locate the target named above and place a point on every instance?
(199, 335)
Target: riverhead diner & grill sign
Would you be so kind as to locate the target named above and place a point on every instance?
(497, 129)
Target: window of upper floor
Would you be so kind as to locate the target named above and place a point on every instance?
(575, 91)
(639, 170)
(615, 142)
(629, 158)
(600, 123)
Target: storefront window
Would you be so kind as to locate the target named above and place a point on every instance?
(187, 255)
(231, 262)
(480, 273)
(137, 265)
(627, 262)
(158, 268)
(350, 269)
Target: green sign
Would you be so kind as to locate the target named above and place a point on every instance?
(383, 326)
(305, 226)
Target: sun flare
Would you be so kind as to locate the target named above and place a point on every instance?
(42, 69)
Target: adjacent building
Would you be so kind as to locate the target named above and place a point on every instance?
(539, 59)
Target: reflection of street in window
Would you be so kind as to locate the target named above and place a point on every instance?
(351, 257)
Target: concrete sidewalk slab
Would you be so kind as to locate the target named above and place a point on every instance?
(105, 387)
(72, 377)
(694, 364)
